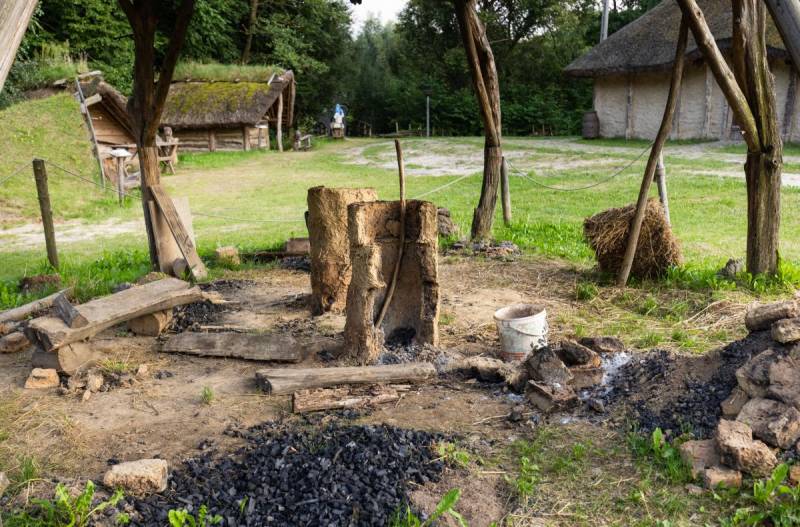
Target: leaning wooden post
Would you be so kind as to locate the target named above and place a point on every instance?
(663, 132)
(506, 192)
(40, 174)
(279, 129)
(661, 181)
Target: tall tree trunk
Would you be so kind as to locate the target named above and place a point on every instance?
(487, 91)
(763, 168)
(251, 29)
(147, 101)
(750, 91)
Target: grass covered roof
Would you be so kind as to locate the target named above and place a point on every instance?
(648, 43)
(214, 71)
(220, 104)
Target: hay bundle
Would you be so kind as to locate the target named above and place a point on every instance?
(607, 234)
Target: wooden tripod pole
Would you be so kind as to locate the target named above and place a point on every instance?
(396, 273)
(663, 132)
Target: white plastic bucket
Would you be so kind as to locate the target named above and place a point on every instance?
(522, 329)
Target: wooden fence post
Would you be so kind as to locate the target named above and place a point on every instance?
(279, 129)
(506, 192)
(40, 174)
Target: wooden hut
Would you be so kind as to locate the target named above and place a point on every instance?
(631, 73)
(229, 115)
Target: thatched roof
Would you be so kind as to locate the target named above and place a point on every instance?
(648, 43)
(227, 104)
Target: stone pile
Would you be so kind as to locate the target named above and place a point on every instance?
(761, 416)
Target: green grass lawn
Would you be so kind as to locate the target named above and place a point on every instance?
(256, 199)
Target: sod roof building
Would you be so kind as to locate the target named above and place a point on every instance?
(631, 73)
(233, 114)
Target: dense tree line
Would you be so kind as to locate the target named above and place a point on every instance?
(380, 75)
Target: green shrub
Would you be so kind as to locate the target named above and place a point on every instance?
(63, 510)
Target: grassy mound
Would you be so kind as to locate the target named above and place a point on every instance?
(52, 129)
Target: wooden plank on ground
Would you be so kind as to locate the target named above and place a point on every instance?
(279, 381)
(22, 312)
(51, 332)
(182, 236)
(345, 397)
(249, 346)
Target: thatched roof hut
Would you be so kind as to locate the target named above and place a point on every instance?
(229, 114)
(631, 77)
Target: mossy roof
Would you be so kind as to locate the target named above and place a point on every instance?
(648, 43)
(222, 104)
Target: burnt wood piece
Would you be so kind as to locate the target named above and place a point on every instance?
(71, 316)
(20, 313)
(249, 346)
(287, 380)
(339, 398)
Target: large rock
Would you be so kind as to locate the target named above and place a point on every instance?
(787, 330)
(41, 378)
(739, 450)
(753, 376)
(722, 476)
(142, 477)
(784, 381)
(603, 345)
(586, 376)
(700, 455)
(574, 354)
(445, 224)
(762, 316)
(775, 423)
(548, 397)
(732, 405)
(545, 367)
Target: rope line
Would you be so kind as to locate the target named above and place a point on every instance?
(15, 172)
(127, 194)
(619, 172)
(437, 189)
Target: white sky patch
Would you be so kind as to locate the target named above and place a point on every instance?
(385, 10)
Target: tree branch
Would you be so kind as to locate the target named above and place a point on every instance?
(722, 73)
(182, 20)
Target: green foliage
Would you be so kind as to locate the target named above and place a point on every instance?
(214, 71)
(183, 518)
(207, 395)
(586, 291)
(63, 510)
(661, 455)
(772, 502)
(446, 506)
(450, 453)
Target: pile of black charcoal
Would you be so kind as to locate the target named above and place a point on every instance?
(336, 475)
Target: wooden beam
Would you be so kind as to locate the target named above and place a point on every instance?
(179, 231)
(786, 15)
(212, 140)
(287, 380)
(790, 108)
(279, 129)
(15, 15)
(722, 72)
(658, 145)
(248, 346)
(246, 138)
(629, 109)
(20, 313)
(40, 175)
(102, 313)
(306, 401)
(708, 103)
(94, 99)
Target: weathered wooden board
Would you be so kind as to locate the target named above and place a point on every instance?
(22, 312)
(339, 398)
(14, 18)
(182, 236)
(249, 346)
(279, 381)
(51, 332)
(68, 313)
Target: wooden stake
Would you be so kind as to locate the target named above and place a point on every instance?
(40, 174)
(663, 132)
(390, 292)
(279, 129)
(506, 193)
(661, 181)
